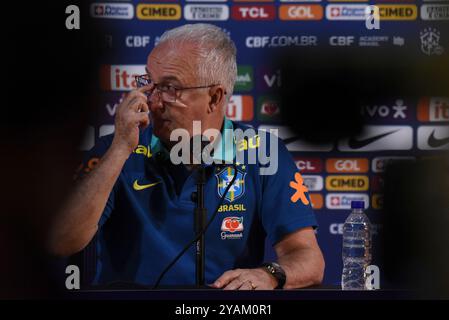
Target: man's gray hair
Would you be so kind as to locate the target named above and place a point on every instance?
(218, 52)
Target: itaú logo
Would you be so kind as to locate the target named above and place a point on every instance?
(119, 77)
(240, 108)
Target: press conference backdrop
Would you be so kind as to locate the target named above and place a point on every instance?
(335, 173)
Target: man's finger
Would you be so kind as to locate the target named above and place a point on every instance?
(146, 88)
(141, 118)
(143, 107)
(246, 286)
(226, 277)
(134, 94)
(136, 103)
(234, 284)
(145, 120)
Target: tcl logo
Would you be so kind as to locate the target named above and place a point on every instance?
(256, 12)
(347, 165)
(120, 77)
(433, 109)
(342, 41)
(309, 165)
(240, 108)
(137, 41)
(301, 12)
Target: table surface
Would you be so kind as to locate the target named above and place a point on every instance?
(130, 291)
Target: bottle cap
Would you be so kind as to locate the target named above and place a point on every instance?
(358, 204)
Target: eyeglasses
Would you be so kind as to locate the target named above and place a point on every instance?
(166, 92)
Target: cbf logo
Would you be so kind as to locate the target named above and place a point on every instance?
(224, 178)
(430, 42)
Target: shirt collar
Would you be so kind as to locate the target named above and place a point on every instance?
(224, 152)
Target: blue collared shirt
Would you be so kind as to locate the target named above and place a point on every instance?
(149, 218)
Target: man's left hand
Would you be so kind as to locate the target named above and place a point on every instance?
(245, 279)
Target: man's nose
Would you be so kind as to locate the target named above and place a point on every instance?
(155, 101)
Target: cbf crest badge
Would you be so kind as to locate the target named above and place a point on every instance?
(224, 178)
(430, 42)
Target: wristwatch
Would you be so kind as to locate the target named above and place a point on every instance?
(277, 272)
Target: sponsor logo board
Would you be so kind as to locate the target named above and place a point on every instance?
(433, 137)
(378, 138)
(347, 183)
(342, 201)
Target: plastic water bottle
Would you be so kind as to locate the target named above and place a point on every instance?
(356, 248)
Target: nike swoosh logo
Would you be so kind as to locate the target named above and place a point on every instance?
(139, 187)
(358, 144)
(435, 142)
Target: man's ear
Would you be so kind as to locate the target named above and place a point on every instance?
(217, 97)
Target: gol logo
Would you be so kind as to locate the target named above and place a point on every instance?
(158, 11)
(347, 165)
(232, 224)
(397, 12)
(301, 12)
(347, 183)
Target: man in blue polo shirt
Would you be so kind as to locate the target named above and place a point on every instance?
(139, 203)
